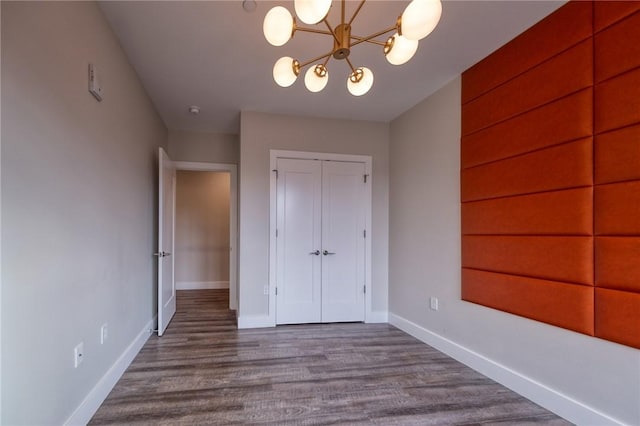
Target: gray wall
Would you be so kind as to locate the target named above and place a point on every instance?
(202, 227)
(203, 147)
(78, 206)
(424, 227)
(261, 132)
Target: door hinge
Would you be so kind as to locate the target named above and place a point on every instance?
(276, 233)
(365, 178)
(276, 291)
(364, 289)
(276, 172)
(364, 233)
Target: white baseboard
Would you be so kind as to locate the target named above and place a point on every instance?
(201, 285)
(554, 401)
(255, 321)
(378, 317)
(100, 391)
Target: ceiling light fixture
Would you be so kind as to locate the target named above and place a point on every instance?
(417, 21)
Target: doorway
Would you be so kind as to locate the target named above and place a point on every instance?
(206, 228)
(320, 245)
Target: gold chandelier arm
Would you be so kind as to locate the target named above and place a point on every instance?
(342, 12)
(313, 30)
(356, 12)
(310, 61)
(372, 36)
(335, 37)
(353, 70)
(362, 40)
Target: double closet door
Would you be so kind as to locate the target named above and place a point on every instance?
(320, 243)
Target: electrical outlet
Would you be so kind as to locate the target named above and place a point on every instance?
(266, 290)
(104, 333)
(433, 303)
(78, 354)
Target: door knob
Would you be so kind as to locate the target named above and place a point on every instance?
(317, 252)
(326, 253)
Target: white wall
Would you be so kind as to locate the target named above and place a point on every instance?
(260, 133)
(202, 229)
(425, 261)
(78, 207)
(203, 147)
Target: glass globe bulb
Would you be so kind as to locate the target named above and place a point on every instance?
(359, 88)
(312, 11)
(420, 18)
(316, 78)
(278, 26)
(399, 49)
(284, 71)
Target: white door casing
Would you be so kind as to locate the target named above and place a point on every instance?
(320, 248)
(166, 229)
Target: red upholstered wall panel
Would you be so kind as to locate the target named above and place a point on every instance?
(615, 57)
(617, 101)
(611, 11)
(550, 173)
(566, 119)
(565, 305)
(618, 263)
(617, 155)
(566, 73)
(616, 315)
(559, 167)
(617, 208)
(552, 258)
(527, 174)
(617, 171)
(559, 31)
(568, 212)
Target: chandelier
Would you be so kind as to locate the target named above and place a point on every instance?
(417, 21)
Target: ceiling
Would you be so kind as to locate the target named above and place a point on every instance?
(212, 54)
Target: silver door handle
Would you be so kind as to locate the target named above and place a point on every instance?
(162, 254)
(317, 252)
(326, 253)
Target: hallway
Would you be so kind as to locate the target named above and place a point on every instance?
(205, 371)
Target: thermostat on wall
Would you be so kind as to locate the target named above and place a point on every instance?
(94, 83)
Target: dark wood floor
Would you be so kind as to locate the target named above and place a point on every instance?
(205, 371)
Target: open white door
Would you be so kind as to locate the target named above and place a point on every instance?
(166, 211)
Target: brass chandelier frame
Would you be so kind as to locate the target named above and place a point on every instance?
(343, 41)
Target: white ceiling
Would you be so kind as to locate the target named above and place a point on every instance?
(212, 54)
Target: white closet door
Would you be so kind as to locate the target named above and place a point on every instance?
(298, 218)
(343, 241)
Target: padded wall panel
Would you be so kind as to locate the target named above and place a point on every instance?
(617, 168)
(617, 315)
(553, 258)
(565, 305)
(609, 12)
(618, 48)
(617, 101)
(617, 209)
(617, 155)
(562, 29)
(568, 212)
(559, 167)
(566, 73)
(618, 263)
(564, 120)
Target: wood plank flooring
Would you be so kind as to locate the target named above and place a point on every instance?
(205, 371)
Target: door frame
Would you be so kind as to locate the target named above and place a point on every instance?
(232, 169)
(302, 155)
